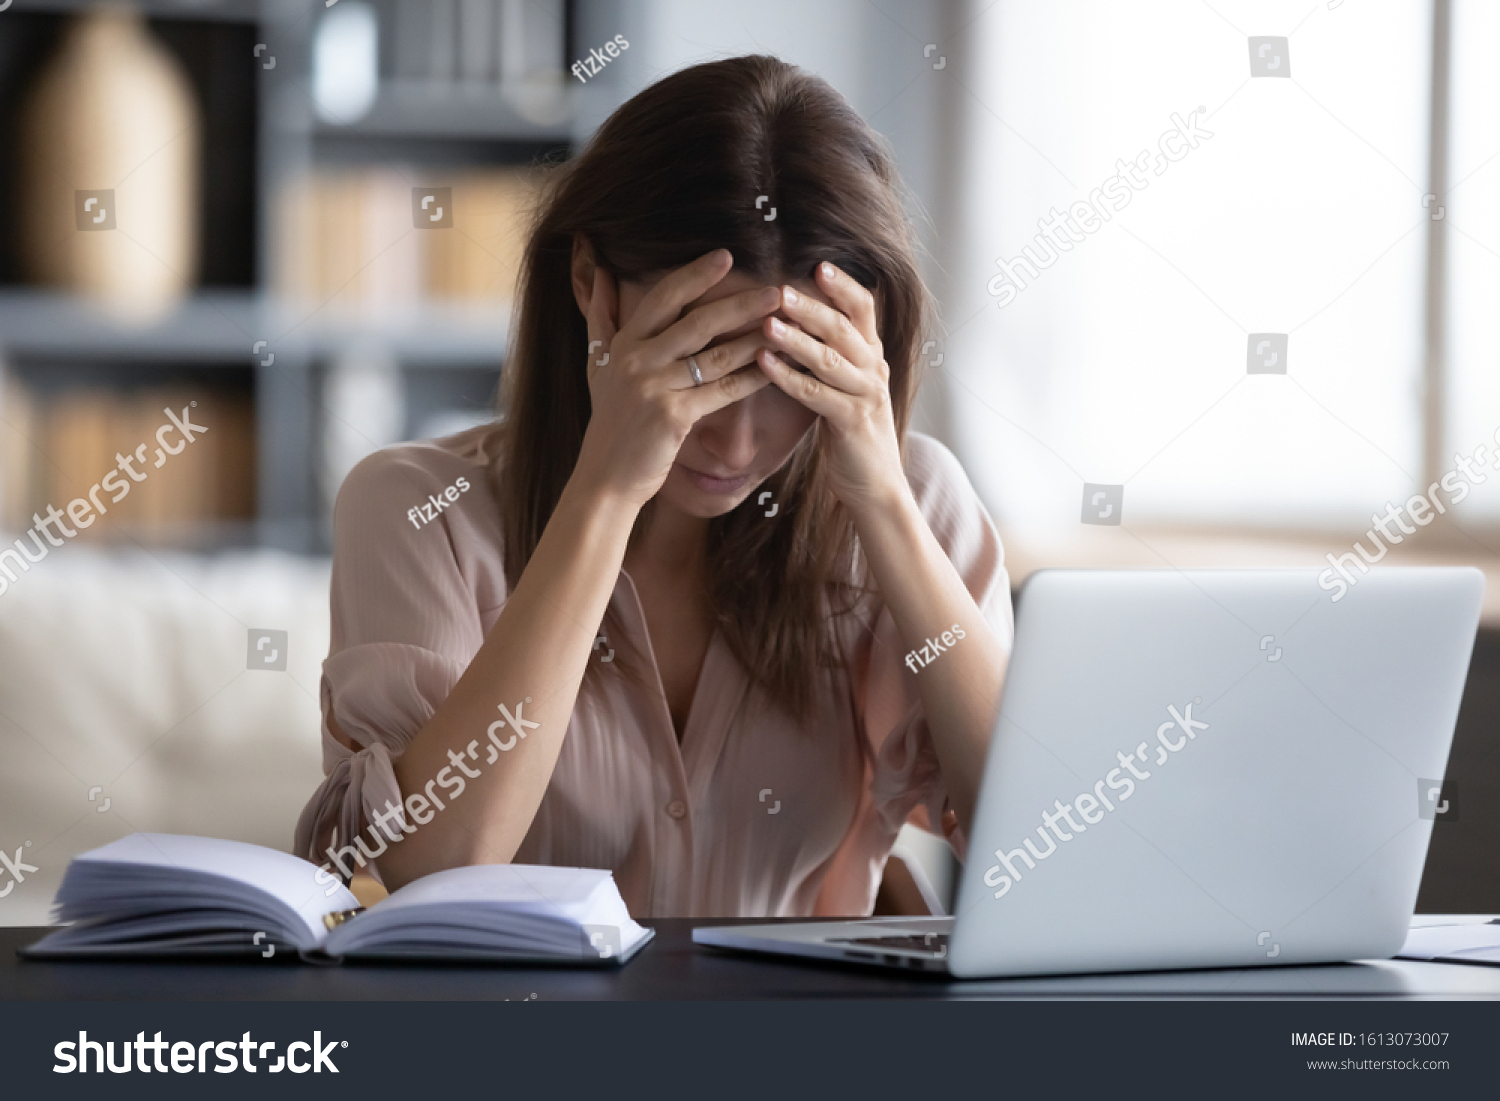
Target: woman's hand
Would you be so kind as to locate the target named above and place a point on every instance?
(644, 398)
(849, 386)
(923, 592)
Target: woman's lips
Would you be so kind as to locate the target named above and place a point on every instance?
(719, 487)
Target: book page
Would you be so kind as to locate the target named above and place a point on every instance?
(1480, 943)
(289, 880)
(566, 893)
(533, 910)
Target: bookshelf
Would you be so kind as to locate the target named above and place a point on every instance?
(316, 299)
(210, 328)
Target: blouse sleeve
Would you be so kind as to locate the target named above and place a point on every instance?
(405, 625)
(907, 781)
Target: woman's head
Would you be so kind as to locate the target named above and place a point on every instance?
(729, 453)
(759, 157)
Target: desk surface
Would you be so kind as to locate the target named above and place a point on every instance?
(672, 968)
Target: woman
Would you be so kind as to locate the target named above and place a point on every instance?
(698, 609)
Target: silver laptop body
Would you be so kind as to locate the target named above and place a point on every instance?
(1216, 768)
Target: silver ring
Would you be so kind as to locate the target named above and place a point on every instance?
(693, 370)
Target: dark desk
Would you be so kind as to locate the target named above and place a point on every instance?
(672, 968)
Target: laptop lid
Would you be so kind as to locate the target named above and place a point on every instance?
(1213, 768)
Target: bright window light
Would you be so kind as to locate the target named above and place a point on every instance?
(1241, 344)
(1473, 219)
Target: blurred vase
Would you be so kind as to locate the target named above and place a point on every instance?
(111, 119)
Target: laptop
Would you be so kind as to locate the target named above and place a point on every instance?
(1216, 768)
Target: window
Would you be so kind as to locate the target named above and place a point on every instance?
(1472, 212)
(1241, 341)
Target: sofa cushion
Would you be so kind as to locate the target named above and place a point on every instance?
(128, 702)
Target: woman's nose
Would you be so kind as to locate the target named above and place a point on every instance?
(729, 435)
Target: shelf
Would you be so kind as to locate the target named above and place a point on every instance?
(433, 334)
(228, 11)
(55, 341)
(206, 327)
(450, 111)
(223, 327)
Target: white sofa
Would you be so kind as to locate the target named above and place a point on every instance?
(127, 672)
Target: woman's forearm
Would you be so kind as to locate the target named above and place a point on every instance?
(531, 664)
(960, 686)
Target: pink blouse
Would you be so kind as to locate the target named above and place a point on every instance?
(754, 814)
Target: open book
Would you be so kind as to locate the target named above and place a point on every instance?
(153, 894)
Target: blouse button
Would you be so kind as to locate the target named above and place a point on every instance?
(677, 808)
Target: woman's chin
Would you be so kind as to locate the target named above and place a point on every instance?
(702, 505)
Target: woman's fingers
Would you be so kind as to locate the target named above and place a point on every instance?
(664, 302)
(850, 297)
(823, 360)
(714, 319)
(831, 327)
(825, 400)
(700, 401)
(716, 362)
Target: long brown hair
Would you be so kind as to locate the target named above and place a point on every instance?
(674, 173)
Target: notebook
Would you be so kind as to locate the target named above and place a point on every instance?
(156, 894)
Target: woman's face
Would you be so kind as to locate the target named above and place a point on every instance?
(729, 453)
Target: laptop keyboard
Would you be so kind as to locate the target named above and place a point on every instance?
(935, 944)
